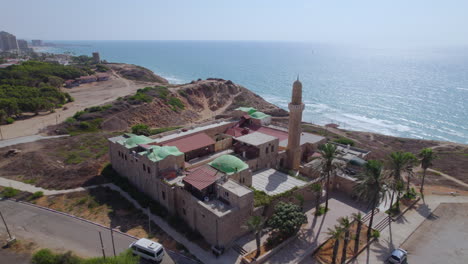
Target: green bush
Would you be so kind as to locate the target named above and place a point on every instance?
(261, 198)
(70, 120)
(101, 68)
(183, 93)
(36, 195)
(10, 192)
(375, 233)
(44, 256)
(176, 103)
(344, 141)
(141, 129)
(321, 211)
(10, 120)
(163, 129)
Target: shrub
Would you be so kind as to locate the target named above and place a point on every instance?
(36, 195)
(70, 120)
(10, 120)
(344, 141)
(78, 114)
(321, 211)
(176, 103)
(183, 93)
(287, 219)
(261, 198)
(44, 256)
(10, 192)
(141, 129)
(375, 233)
(85, 125)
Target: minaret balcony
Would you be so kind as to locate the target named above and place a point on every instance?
(295, 107)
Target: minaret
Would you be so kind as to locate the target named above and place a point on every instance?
(296, 107)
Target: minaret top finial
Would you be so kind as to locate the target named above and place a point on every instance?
(298, 77)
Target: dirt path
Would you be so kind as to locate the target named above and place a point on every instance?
(85, 95)
(448, 177)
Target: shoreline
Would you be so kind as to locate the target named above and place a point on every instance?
(322, 113)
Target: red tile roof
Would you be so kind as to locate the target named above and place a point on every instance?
(281, 135)
(190, 142)
(202, 177)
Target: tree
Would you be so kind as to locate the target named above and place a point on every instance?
(141, 129)
(371, 187)
(335, 234)
(287, 219)
(427, 156)
(317, 188)
(345, 225)
(256, 224)
(398, 163)
(358, 218)
(328, 152)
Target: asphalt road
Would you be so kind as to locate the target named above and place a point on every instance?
(60, 232)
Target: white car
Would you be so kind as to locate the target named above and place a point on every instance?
(398, 256)
(148, 249)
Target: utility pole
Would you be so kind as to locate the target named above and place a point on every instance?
(149, 222)
(8, 230)
(102, 246)
(112, 237)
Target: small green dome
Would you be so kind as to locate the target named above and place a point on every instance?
(135, 140)
(259, 115)
(228, 164)
(157, 153)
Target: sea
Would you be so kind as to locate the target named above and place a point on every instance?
(407, 92)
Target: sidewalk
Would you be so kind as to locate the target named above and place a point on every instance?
(397, 232)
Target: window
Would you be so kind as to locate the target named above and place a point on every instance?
(272, 148)
(119, 153)
(125, 156)
(149, 170)
(164, 195)
(203, 215)
(144, 167)
(183, 211)
(146, 252)
(266, 150)
(226, 194)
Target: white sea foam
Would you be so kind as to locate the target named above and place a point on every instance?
(462, 88)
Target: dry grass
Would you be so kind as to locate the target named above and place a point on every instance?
(108, 207)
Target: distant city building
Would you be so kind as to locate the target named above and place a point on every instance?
(37, 42)
(96, 57)
(8, 42)
(22, 44)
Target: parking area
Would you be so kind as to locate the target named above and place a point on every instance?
(442, 237)
(274, 182)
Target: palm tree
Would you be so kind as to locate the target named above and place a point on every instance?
(328, 152)
(317, 188)
(427, 156)
(345, 225)
(358, 218)
(371, 187)
(398, 162)
(255, 224)
(335, 234)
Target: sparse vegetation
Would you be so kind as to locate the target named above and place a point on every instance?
(9, 192)
(46, 256)
(143, 129)
(36, 195)
(344, 141)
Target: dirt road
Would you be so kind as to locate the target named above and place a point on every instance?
(85, 95)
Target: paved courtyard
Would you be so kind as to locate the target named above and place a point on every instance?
(442, 237)
(274, 182)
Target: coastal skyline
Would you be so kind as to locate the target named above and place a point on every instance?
(364, 23)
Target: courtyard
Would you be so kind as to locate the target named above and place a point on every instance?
(274, 182)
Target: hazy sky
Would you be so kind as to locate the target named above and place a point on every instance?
(405, 22)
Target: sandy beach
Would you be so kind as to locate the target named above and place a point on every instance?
(85, 95)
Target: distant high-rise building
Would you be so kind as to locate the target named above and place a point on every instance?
(96, 57)
(37, 42)
(22, 44)
(8, 41)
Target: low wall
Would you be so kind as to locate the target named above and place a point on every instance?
(270, 253)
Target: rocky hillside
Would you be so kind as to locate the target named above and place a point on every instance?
(178, 105)
(136, 73)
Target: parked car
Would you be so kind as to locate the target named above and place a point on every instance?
(148, 250)
(398, 256)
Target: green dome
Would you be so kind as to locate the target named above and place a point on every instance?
(228, 164)
(157, 153)
(135, 140)
(248, 110)
(259, 115)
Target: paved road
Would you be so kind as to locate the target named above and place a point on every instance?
(27, 139)
(61, 232)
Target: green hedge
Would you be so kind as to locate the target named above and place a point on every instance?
(46, 256)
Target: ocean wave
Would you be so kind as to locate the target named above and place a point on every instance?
(462, 88)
